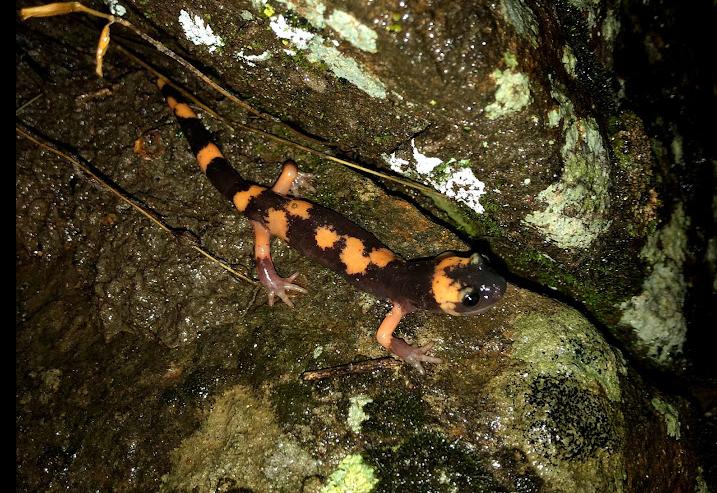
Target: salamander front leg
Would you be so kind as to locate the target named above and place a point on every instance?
(411, 355)
(292, 180)
(275, 284)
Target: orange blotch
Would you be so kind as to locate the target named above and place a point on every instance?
(206, 154)
(353, 256)
(278, 223)
(182, 110)
(325, 237)
(171, 102)
(298, 208)
(381, 257)
(446, 291)
(241, 199)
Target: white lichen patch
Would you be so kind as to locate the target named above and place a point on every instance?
(252, 59)
(356, 414)
(512, 91)
(577, 204)
(296, 36)
(453, 178)
(352, 30)
(656, 314)
(316, 50)
(199, 32)
(116, 8)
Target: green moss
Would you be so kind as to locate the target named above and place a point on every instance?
(459, 216)
(395, 413)
(227, 445)
(382, 139)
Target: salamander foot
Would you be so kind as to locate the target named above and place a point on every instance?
(414, 356)
(275, 285)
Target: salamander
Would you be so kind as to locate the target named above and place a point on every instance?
(449, 283)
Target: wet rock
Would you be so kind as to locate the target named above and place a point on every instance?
(141, 366)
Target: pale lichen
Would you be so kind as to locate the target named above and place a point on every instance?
(352, 30)
(251, 59)
(569, 61)
(352, 475)
(670, 415)
(453, 178)
(577, 205)
(199, 32)
(576, 351)
(317, 50)
(512, 90)
(560, 402)
(656, 314)
(356, 414)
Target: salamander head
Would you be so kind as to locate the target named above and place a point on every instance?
(465, 285)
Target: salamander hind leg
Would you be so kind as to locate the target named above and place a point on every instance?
(414, 356)
(275, 285)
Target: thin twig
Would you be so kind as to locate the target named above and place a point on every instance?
(25, 105)
(351, 369)
(73, 7)
(63, 8)
(178, 234)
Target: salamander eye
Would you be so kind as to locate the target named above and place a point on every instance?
(471, 299)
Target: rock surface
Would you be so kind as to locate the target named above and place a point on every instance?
(142, 366)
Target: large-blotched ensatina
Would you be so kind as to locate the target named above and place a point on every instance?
(448, 283)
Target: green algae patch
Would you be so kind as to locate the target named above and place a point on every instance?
(565, 343)
(229, 445)
(560, 402)
(430, 461)
(656, 314)
(353, 475)
(670, 415)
